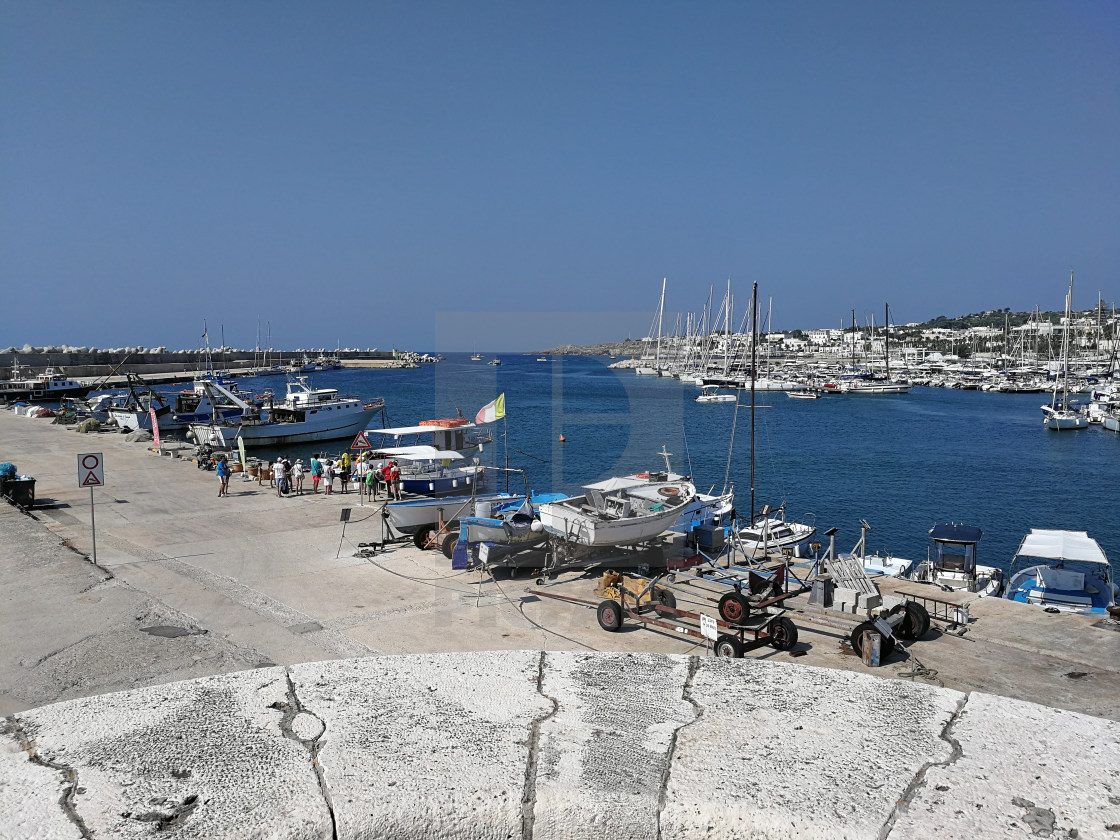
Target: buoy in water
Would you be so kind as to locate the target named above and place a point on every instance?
(562, 438)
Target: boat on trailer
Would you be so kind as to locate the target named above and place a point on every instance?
(1075, 575)
(952, 562)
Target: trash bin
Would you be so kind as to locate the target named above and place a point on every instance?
(20, 490)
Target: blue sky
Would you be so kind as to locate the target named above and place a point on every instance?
(355, 173)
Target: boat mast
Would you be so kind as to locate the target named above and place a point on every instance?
(660, 314)
(754, 359)
(887, 337)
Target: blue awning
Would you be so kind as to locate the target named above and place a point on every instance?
(956, 533)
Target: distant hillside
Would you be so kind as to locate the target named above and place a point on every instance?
(991, 318)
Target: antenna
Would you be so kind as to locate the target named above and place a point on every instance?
(665, 455)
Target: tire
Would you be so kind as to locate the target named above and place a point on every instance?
(420, 538)
(609, 614)
(915, 624)
(665, 598)
(448, 545)
(783, 633)
(734, 608)
(886, 647)
(728, 647)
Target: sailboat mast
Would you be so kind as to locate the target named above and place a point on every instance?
(754, 359)
(660, 314)
(887, 337)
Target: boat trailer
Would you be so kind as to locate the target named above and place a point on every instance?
(646, 601)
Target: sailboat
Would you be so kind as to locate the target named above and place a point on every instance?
(860, 385)
(1059, 415)
(645, 370)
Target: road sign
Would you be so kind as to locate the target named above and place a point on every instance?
(91, 470)
(708, 627)
(361, 442)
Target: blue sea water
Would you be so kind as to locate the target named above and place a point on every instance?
(903, 463)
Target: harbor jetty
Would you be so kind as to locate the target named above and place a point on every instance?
(253, 653)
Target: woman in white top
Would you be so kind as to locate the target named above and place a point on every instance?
(297, 475)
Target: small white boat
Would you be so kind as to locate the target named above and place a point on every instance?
(494, 361)
(542, 359)
(621, 511)
(803, 395)
(711, 394)
(1074, 577)
(773, 533)
(952, 563)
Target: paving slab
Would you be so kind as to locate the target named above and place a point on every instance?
(33, 795)
(782, 751)
(426, 746)
(1021, 769)
(213, 757)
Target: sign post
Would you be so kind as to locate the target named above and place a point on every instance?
(91, 473)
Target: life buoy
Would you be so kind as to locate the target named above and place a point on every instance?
(669, 491)
(643, 475)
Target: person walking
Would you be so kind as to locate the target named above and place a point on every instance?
(316, 472)
(223, 478)
(297, 475)
(328, 477)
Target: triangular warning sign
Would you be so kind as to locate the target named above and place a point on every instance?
(91, 480)
(361, 442)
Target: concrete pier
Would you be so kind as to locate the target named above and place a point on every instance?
(505, 708)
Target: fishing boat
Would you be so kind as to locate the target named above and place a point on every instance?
(1075, 575)
(174, 413)
(952, 562)
(711, 394)
(494, 361)
(1062, 414)
(51, 384)
(304, 414)
(621, 511)
(413, 516)
(506, 523)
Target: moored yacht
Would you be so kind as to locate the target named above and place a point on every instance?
(1075, 575)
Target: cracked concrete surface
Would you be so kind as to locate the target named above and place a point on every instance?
(524, 744)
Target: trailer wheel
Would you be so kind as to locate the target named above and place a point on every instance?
(665, 598)
(734, 608)
(728, 647)
(783, 633)
(421, 537)
(915, 624)
(448, 545)
(609, 615)
(886, 646)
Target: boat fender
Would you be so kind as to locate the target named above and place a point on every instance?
(669, 491)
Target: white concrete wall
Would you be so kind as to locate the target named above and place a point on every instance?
(555, 745)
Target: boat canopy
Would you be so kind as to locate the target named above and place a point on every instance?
(627, 481)
(956, 533)
(1061, 545)
(417, 453)
(418, 430)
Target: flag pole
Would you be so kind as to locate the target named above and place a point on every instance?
(505, 437)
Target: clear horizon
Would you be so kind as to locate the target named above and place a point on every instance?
(351, 175)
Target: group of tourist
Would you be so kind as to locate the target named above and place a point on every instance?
(288, 477)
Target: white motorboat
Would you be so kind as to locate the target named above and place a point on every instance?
(1074, 577)
(952, 563)
(413, 515)
(711, 394)
(773, 533)
(622, 511)
(428, 471)
(803, 395)
(305, 414)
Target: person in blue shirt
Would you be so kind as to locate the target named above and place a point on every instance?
(223, 477)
